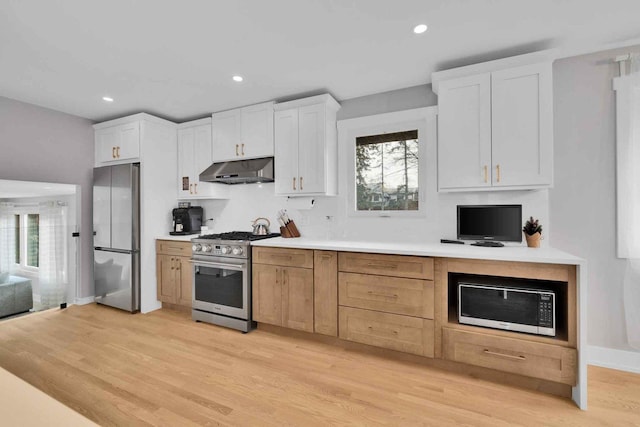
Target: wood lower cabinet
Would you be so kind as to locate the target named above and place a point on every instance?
(283, 294)
(387, 265)
(402, 333)
(528, 358)
(325, 292)
(173, 272)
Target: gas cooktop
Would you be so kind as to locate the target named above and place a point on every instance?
(237, 235)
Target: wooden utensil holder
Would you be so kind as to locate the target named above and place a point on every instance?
(289, 230)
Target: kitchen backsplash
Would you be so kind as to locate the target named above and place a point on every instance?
(328, 217)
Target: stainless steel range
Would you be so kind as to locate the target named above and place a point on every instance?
(222, 278)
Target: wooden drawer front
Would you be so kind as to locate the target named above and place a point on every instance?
(285, 257)
(401, 333)
(532, 359)
(387, 265)
(172, 247)
(411, 297)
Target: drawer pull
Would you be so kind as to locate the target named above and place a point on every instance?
(506, 356)
(383, 266)
(382, 295)
(371, 329)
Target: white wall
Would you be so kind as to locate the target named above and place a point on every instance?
(583, 204)
(38, 144)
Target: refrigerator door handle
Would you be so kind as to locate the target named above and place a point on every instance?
(120, 251)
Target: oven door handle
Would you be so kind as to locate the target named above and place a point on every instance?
(238, 267)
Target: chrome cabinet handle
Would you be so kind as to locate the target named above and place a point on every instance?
(237, 150)
(195, 188)
(300, 183)
(242, 150)
(294, 182)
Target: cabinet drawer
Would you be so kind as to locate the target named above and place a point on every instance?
(411, 297)
(532, 359)
(387, 265)
(172, 247)
(401, 333)
(283, 256)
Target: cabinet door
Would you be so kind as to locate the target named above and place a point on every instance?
(106, 142)
(186, 160)
(267, 294)
(464, 133)
(184, 281)
(202, 160)
(297, 298)
(325, 292)
(522, 129)
(311, 149)
(129, 146)
(166, 276)
(286, 152)
(257, 131)
(226, 135)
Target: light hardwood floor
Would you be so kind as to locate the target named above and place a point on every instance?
(164, 369)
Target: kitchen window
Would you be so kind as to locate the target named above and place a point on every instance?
(27, 240)
(386, 159)
(387, 173)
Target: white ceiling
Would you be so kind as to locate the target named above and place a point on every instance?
(176, 58)
(24, 189)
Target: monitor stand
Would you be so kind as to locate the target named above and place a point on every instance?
(489, 244)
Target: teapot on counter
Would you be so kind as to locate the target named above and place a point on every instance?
(260, 228)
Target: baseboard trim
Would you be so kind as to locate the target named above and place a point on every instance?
(84, 300)
(621, 360)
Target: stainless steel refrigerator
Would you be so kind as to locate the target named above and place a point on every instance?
(116, 236)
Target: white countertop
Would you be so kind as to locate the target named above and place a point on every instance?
(506, 253)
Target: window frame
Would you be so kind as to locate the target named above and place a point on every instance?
(21, 234)
(349, 129)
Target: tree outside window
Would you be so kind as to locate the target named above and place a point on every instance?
(387, 172)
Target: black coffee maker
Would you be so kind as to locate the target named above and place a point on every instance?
(187, 220)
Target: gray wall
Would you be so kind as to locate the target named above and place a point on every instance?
(387, 102)
(38, 144)
(583, 201)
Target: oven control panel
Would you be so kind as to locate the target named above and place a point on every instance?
(219, 250)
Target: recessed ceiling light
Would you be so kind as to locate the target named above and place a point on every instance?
(419, 29)
(107, 99)
(238, 79)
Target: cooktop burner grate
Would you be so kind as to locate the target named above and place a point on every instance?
(238, 235)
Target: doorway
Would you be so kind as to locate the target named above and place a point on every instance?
(39, 224)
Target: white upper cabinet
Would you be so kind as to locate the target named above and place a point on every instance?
(194, 156)
(495, 127)
(118, 144)
(306, 147)
(243, 133)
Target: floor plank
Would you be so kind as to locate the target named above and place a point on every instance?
(163, 369)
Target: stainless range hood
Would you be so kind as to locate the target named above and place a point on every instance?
(240, 171)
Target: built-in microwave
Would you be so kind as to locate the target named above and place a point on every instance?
(505, 307)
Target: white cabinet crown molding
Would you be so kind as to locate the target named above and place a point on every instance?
(133, 118)
(326, 99)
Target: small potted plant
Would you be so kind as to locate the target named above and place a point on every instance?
(533, 232)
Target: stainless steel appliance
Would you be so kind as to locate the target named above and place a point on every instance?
(186, 220)
(240, 171)
(222, 278)
(116, 236)
(505, 307)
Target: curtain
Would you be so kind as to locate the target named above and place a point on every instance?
(627, 88)
(53, 253)
(7, 240)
